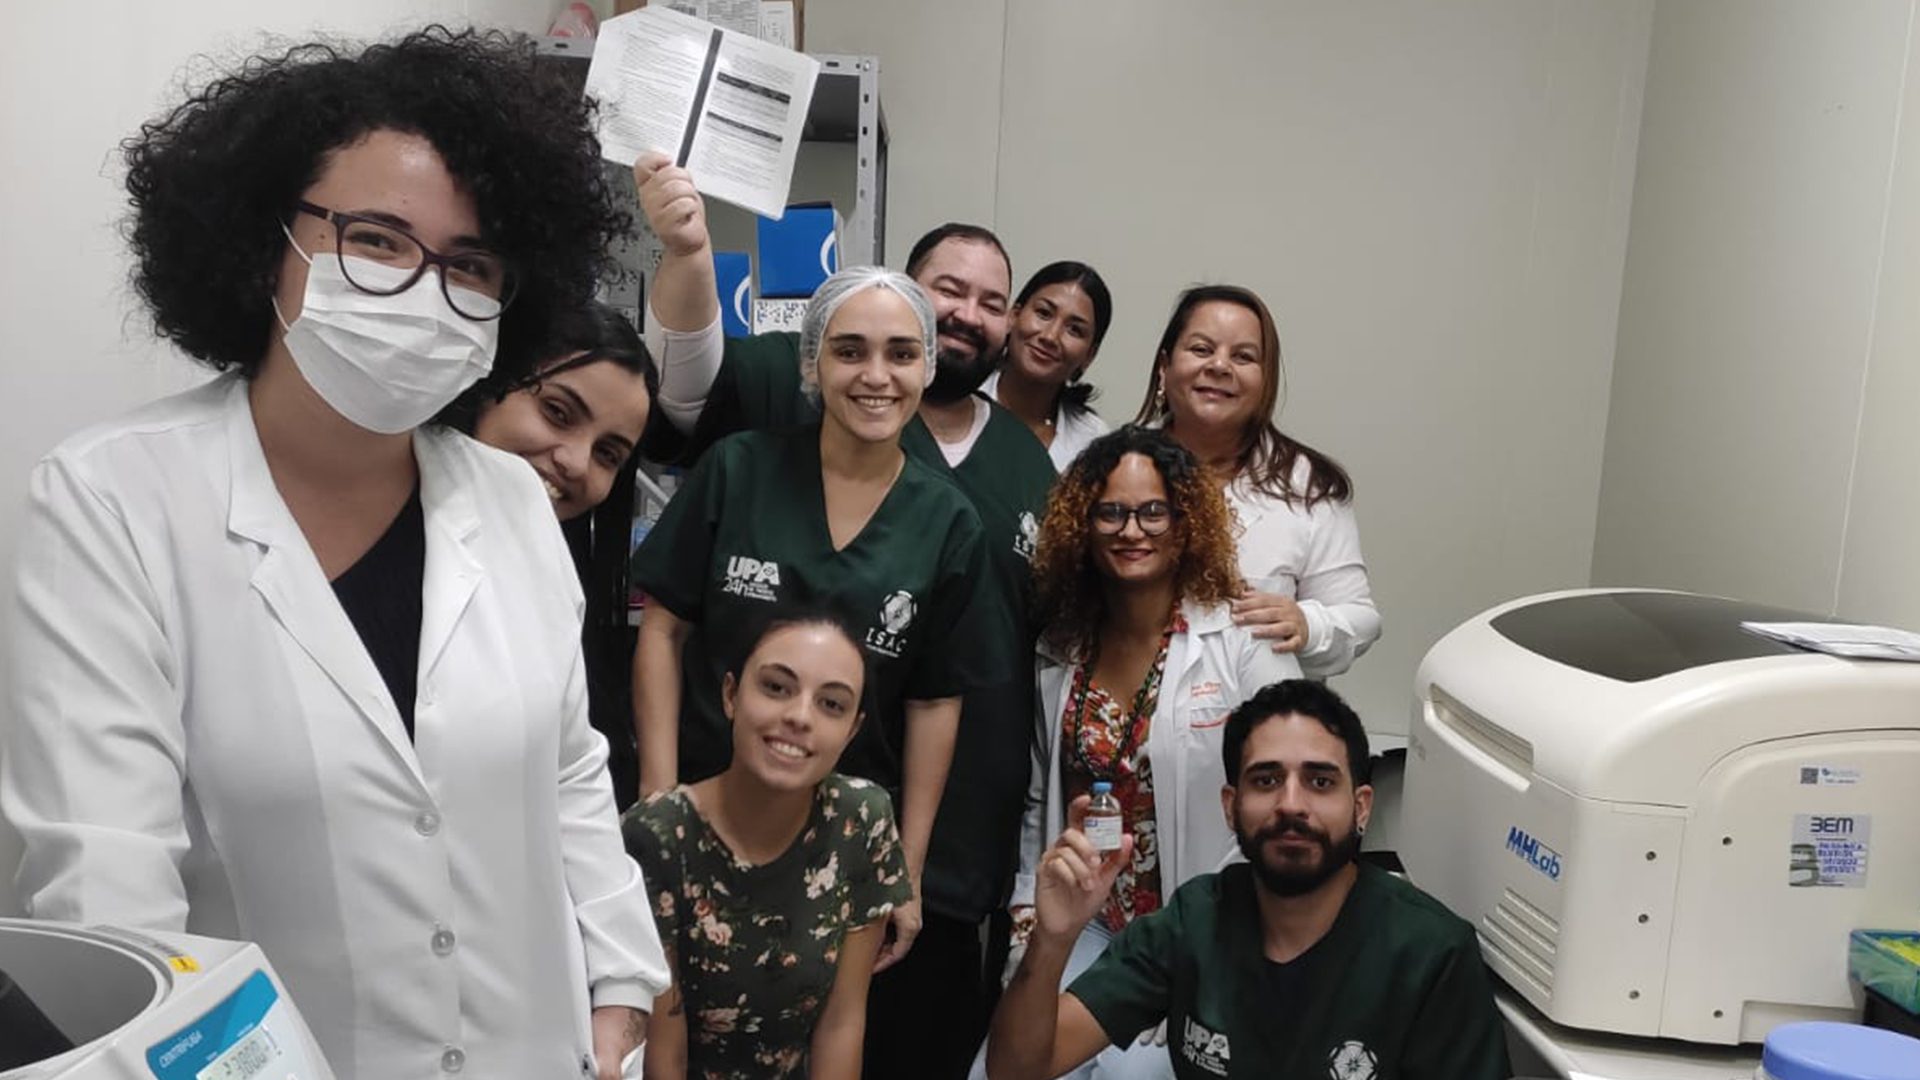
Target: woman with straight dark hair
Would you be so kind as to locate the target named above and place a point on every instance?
(772, 882)
(582, 420)
(1058, 321)
(1216, 383)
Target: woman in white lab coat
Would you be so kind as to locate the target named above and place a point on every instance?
(1216, 384)
(294, 664)
(1140, 663)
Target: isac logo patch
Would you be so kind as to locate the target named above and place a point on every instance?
(896, 615)
(752, 578)
(1029, 538)
(1205, 1049)
(1352, 1060)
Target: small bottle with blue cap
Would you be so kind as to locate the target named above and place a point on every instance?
(1827, 1051)
(1103, 820)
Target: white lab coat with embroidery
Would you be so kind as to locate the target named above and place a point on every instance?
(1312, 555)
(202, 743)
(1211, 668)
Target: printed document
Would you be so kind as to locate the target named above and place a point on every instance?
(1843, 639)
(725, 105)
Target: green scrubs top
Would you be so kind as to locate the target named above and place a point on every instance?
(747, 537)
(1007, 475)
(974, 851)
(1395, 991)
(756, 389)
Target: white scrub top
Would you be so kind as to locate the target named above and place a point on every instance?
(202, 743)
(1314, 557)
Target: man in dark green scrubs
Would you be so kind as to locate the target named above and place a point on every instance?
(997, 463)
(1300, 963)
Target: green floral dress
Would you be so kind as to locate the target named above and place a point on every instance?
(756, 948)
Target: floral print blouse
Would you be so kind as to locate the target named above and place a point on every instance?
(1105, 738)
(755, 948)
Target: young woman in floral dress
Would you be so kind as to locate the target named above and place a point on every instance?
(771, 882)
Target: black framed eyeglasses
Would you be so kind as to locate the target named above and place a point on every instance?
(1154, 518)
(466, 277)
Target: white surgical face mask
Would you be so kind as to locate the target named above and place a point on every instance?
(387, 363)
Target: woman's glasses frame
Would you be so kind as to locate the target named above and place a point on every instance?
(462, 265)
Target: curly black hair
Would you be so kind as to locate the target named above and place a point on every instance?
(211, 182)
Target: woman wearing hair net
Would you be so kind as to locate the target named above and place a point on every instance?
(831, 514)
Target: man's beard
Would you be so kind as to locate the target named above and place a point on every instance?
(1293, 879)
(957, 372)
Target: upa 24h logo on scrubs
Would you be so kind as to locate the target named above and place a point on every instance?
(751, 578)
(896, 614)
(1207, 1050)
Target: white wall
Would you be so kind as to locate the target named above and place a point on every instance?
(72, 84)
(1880, 559)
(940, 86)
(1772, 236)
(1432, 196)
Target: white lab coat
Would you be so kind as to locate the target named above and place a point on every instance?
(1314, 557)
(202, 743)
(1211, 668)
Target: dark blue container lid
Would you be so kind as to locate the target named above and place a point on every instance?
(1827, 1051)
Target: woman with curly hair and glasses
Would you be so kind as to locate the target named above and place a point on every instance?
(295, 662)
(1140, 663)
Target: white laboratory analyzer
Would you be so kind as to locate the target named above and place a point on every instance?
(105, 1004)
(1661, 824)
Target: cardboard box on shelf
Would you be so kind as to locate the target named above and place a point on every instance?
(778, 314)
(799, 251)
(733, 276)
(782, 22)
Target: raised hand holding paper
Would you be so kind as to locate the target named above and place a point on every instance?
(727, 107)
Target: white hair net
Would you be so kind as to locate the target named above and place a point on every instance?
(833, 292)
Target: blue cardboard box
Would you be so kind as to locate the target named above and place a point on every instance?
(733, 274)
(799, 251)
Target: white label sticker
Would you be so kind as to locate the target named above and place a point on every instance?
(1103, 831)
(1830, 850)
(1826, 776)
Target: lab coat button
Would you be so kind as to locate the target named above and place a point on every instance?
(427, 823)
(453, 1060)
(443, 941)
